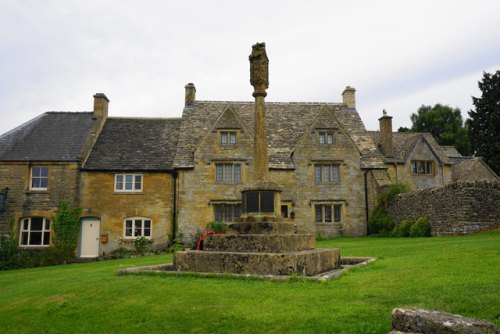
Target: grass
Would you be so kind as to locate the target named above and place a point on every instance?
(454, 274)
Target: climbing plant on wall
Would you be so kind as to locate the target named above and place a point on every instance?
(66, 225)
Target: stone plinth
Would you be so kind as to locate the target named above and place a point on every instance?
(259, 243)
(261, 228)
(308, 262)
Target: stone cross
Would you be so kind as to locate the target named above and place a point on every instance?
(259, 79)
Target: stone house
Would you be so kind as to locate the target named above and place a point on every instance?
(319, 152)
(417, 159)
(162, 178)
(40, 166)
(127, 188)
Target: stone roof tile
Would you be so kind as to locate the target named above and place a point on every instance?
(52, 136)
(135, 144)
(286, 124)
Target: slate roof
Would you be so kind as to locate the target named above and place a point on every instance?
(404, 142)
(135, 144)
(286, 124)
(52, 136)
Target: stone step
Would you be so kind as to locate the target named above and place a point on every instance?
(259, 243)
(261, 228)
(307, 263)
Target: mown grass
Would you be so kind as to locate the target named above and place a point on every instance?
(453, 274)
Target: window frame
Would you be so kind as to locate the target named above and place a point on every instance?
(228, 138)
(39, 177)
(422, 167)
(325, 136)
(327, 173)
(331, 213)
(225, 207)
(133, 228)
(124, 183)
(221, 173)
(46, 228)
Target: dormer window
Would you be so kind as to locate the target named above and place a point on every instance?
(326, 138)
(228, 137)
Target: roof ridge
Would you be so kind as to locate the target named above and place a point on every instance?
(144, 118)
(67, 112)
(272, 102)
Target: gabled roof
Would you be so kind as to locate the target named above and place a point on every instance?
(135, 144)
(464, 169)
(52, 136)
(404, 142)
(286, 124)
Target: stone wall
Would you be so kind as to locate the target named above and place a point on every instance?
(64, 179)
(457, 208)
(155, 202)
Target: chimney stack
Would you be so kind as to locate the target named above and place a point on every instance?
(349, 97)
(190, 94)
(385, 136)
(100, 105)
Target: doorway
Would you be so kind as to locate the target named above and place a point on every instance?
(89, 238)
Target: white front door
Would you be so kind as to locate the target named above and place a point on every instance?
(89, 238)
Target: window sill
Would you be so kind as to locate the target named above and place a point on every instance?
(329, 224)
(35, 191)
(128, 193)
(34, 247)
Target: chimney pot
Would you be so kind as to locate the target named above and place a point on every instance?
(349, 97)
(190, 96)
(100, 105)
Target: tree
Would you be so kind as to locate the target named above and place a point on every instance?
(484, 122)
(445, 124)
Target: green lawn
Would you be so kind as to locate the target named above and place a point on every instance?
(454, 274)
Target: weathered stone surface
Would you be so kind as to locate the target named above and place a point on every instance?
(259, 243)
(425, 321)
(261, 228)
(64, 181)
(307, 263)
(155, 203)
(457, 208)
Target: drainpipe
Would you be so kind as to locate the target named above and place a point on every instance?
(174, 210)
(442, 173)
(366, 195)
(396, 168)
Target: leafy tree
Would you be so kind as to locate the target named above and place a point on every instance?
(403, 129)
(484, 122)
(445, 124)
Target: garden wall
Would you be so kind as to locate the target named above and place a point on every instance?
(456, 208)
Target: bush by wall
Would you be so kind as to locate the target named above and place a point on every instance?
(457, 208)
(421, 228)
(404, 228)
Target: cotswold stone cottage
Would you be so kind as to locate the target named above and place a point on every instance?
(418, 160)
(160, 178)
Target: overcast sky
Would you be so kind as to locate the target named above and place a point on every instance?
(54, 55)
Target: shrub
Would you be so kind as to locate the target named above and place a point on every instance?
(380, 222)
(393, 192)
(195, 237)
(421, 228)
(404, 228)
(218, 227)
(176, 246)
(141, 245)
